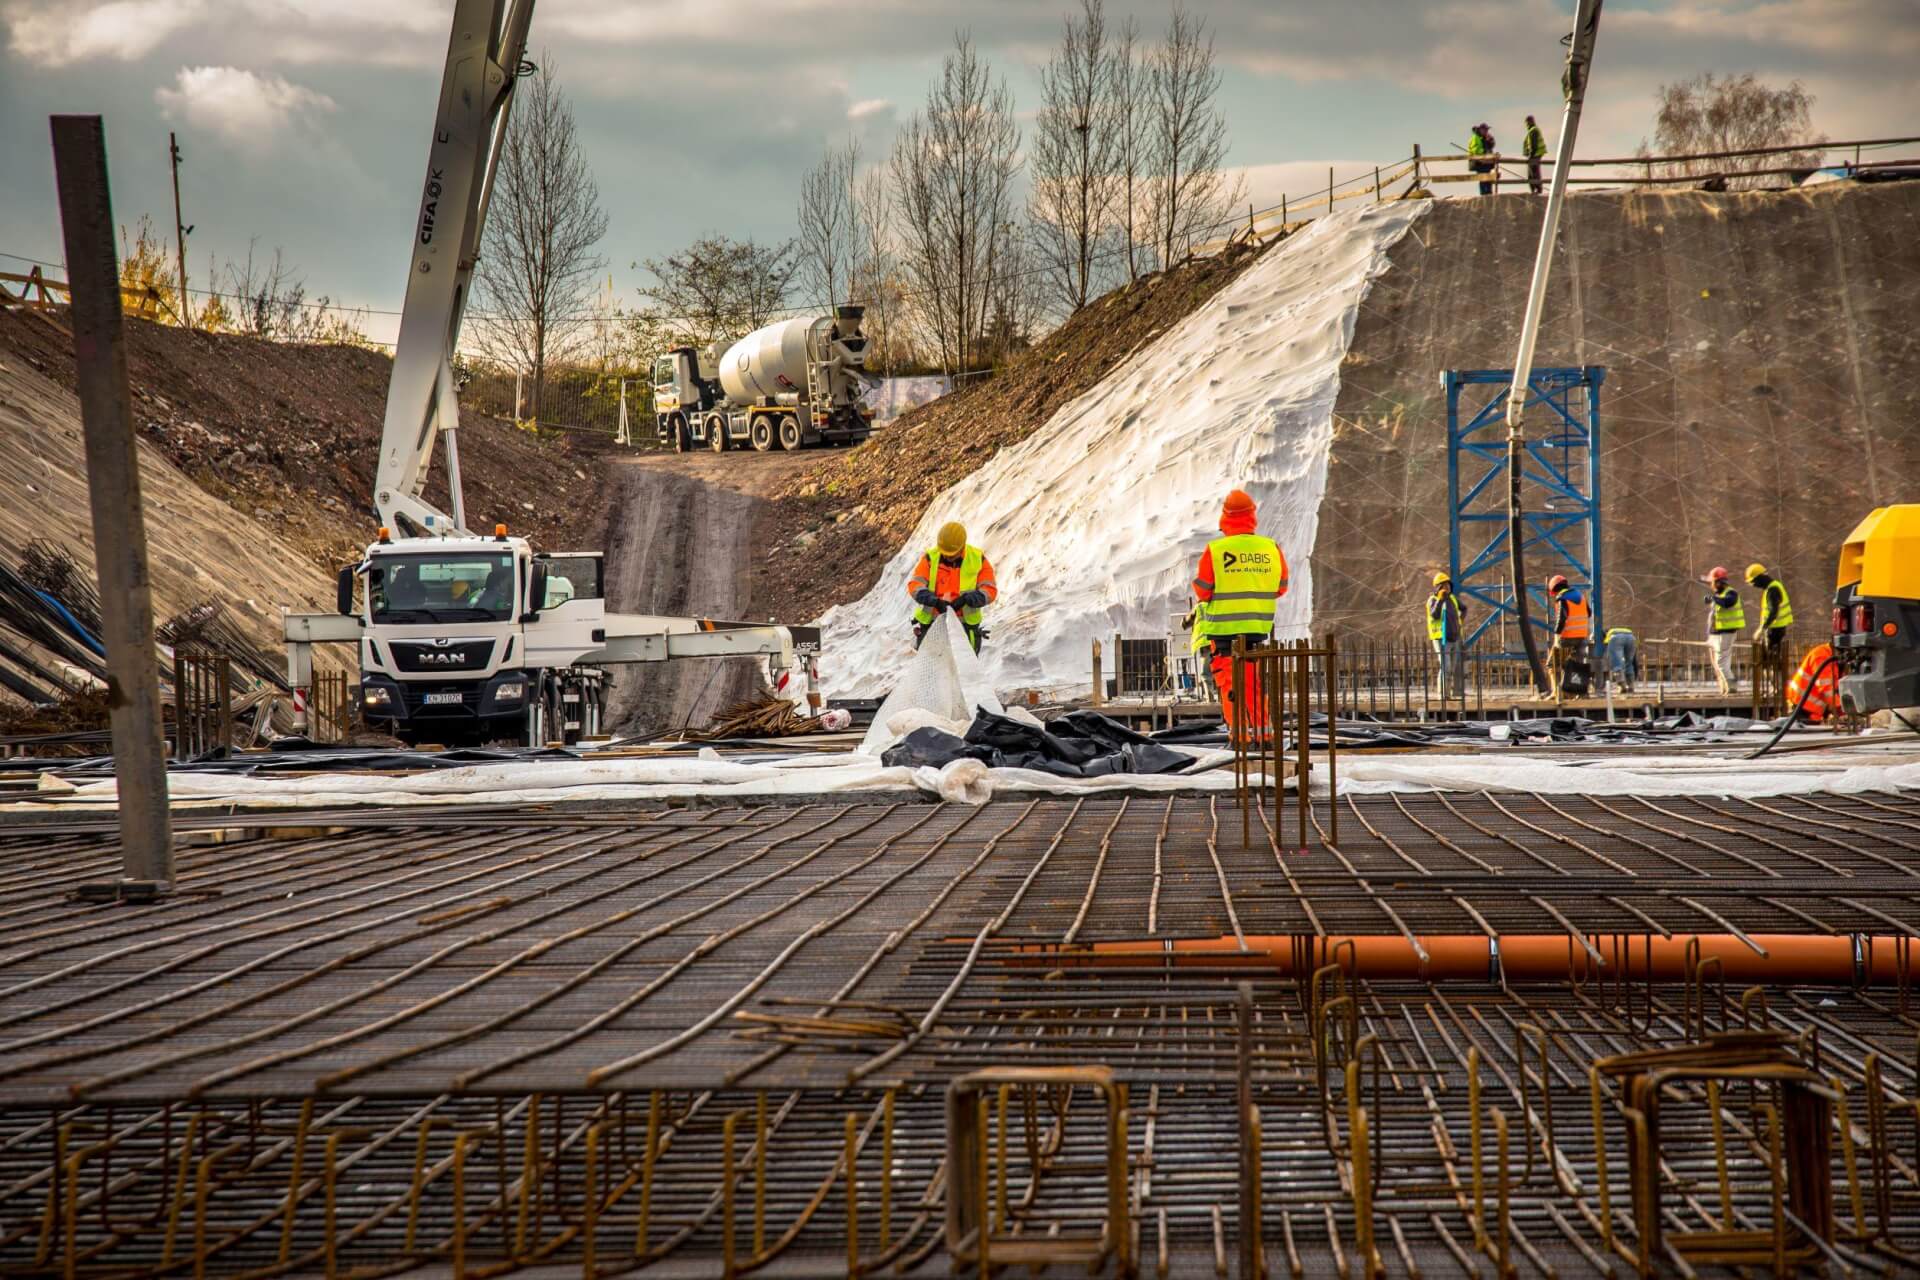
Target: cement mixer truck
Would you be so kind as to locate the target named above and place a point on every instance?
(790, 384)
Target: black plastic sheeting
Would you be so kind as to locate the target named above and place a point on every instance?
(1080, 744)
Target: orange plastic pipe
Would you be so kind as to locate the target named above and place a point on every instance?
(1550, 957)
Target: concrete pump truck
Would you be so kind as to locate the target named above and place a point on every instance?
(468, 635)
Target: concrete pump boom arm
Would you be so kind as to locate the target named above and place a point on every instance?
(483, 64)
(1586, 30)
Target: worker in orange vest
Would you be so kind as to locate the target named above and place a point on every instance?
(1825, 695)
(1572, 625)
(1239, 582)
(952, 574)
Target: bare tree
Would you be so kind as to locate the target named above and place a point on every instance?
(1129, 85)
(268, 295)
(716, 289)
(1072, 158)
(874, 280)
(953, 167)
(537, 265)
(829, 239)
(1017, 295)
(1188, 195)
(1710, 114)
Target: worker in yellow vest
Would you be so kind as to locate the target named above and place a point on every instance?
(953, 574)
(1239, 583)
(1726, 619)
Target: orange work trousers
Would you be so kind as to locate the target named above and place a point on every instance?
(1257, 723)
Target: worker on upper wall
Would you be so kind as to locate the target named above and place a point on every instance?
(1481, 157)
(1776, 615)
(1572, 625)
(1535, 150)
(1726, 619)
(952, 574)
(1446, 629)
(1239, 582)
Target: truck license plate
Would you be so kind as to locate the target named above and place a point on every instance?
(443, 699)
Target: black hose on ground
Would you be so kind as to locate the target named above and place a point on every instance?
(1833, 660)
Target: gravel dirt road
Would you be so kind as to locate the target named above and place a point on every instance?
(681, 536)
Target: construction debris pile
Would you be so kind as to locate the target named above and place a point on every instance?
(53, 669)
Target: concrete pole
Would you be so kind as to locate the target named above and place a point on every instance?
(113, 486)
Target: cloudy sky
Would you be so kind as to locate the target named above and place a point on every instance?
(305, 122)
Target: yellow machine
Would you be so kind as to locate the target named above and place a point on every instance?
(1876, 611)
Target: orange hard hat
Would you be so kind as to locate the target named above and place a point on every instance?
(1719, 572)
(1237, 502)
(1557, 582)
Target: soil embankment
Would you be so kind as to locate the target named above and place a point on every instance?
(1762, 389)
(289, 435)
(684, 533)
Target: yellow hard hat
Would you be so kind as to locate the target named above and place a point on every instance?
(1754, 570)
(1439, 578)
(953, 538)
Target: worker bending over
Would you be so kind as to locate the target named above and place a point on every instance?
(1572, 624)
(1726, 619)
(1823, 676)
(1623, 658)
(953, 574)
(1238, 584)
(1446, 619)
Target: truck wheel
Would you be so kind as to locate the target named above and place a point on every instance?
(762, 433)
(717, 435)
(789, 432)
(681, 441)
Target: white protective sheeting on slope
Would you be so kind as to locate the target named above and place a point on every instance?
(942, 686)
(1094, 523)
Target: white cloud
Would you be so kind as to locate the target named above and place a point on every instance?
(58, 32)
(868, 107)
(238, 105)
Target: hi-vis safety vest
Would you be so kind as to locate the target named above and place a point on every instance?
(1437, 617)
(1579, 617)
(1247, 573)
(1826, 689)
(969, 579)
(1536, 144)
(1785, 616)
(1476, 145)
(1728, 619)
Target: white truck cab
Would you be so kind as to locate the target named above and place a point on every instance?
(477, 639)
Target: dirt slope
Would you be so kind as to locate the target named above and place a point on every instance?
(682, 531)
(1762, 388)
(198, 548)
(289, 436)
(842, 515)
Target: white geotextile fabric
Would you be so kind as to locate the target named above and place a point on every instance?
(942, 686)
(1095, 522)
(970, 782)
(657, 778)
